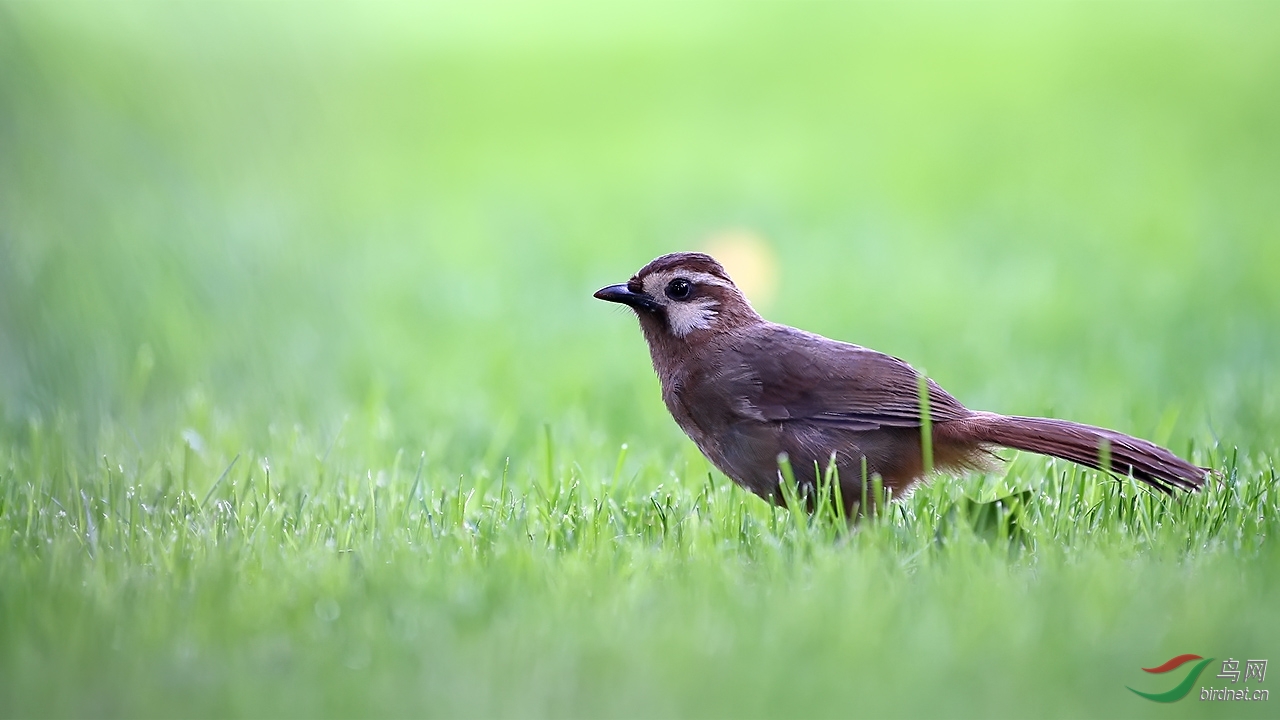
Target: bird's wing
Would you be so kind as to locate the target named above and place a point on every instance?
(786, 374)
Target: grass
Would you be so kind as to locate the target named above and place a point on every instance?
(306, 410)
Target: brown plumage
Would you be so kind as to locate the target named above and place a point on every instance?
(746, 390)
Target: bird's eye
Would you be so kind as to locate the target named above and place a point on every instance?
(679, 289)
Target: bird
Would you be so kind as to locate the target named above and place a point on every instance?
(751, 393)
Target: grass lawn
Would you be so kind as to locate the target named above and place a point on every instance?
(306, 408)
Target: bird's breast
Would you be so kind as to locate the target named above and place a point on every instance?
(703, 413)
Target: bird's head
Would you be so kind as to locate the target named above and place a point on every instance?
(683, 298)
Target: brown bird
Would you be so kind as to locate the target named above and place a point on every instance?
(746, 390)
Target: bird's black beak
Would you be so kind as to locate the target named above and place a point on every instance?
(622, 294)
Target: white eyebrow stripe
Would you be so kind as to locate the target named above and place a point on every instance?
(659, 280)
(707, 279)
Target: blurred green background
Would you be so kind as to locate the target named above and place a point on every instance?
(298, 212)
(377, 227)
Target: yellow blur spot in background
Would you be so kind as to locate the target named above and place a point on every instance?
(750, 261)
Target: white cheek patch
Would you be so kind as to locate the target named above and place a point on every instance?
(685, 317)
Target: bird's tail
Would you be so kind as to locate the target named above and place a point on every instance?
(1090, 446)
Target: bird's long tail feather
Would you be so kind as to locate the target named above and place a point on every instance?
(1090, 446)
